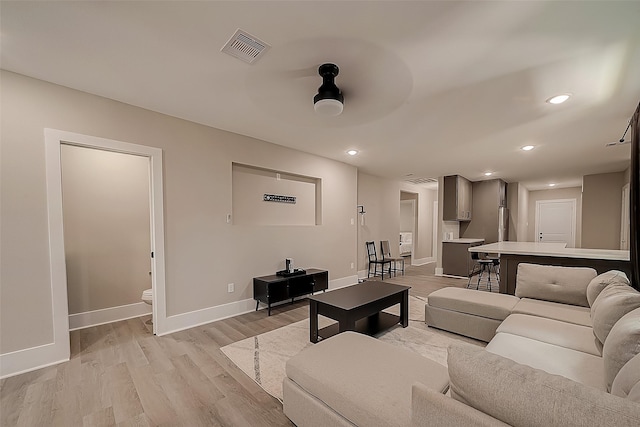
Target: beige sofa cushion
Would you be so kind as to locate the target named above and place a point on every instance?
(471, 301)
(563, 334)
(603, 280)
(566, 285)
(614, 301)
(627, 382)
(522, 396)
(365, 380)
(552, 310)
(580, 367)
(433, 409)
(622, 344)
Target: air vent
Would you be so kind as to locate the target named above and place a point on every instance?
(422, 180)
(246, 47)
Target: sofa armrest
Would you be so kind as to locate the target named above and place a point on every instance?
(434, 409)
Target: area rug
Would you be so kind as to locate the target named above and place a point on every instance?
(264, 356)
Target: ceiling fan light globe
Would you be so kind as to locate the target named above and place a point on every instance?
(328, 107)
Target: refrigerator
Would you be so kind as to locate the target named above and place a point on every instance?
(503, 223)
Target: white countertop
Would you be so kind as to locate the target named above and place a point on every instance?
(550, 249)
(463, 241)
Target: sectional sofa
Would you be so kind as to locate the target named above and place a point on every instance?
(565, 350)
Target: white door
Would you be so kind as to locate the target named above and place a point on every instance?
(556, 221)
(624, 224)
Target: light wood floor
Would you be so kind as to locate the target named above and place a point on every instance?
(120, 374)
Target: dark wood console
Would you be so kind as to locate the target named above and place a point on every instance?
(274, 288)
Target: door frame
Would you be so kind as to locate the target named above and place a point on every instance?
(573, 202)
(53, 140)
(625, 218)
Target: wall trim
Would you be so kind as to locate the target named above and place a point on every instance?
(180, 322)
(439, 271)
(423, 261)
(29, 359)
(343, 282)
(108, 315)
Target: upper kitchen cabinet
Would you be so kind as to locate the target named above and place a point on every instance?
(457, 198)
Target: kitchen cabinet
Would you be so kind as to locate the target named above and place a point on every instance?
(457, 198)
(456, 258)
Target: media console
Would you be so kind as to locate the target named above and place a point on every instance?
(274, 288)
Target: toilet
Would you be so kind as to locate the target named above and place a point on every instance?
(147, 296)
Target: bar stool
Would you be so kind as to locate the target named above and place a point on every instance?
(484, 265)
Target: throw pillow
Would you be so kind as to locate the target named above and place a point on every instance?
(520, 395)
(622, 344)
(614, 301)
(602, 281)
(566, 285)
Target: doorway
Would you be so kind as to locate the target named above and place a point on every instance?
(408, 225)
(106, 216)
(556, 221)
(54, 139)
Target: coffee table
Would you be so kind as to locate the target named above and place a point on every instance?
(359, 308)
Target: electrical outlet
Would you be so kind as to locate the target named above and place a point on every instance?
(228, 218)
(231, 287)
(352, 266)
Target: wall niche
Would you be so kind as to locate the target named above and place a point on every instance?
(263, 196)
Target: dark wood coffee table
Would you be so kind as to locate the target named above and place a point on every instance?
(359, 308)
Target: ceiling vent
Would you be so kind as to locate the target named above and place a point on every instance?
(419, 181)
(246, 47)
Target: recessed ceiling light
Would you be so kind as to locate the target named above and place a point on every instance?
(488, 173)
(352, 152)
(552, 185)
(558, 99)
(527, 148)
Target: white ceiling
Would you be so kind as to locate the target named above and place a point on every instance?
(431, 88)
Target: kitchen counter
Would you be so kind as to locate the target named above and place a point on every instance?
(551, 250)
(513, 253)
(463, 241)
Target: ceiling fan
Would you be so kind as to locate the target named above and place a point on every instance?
(329, 100)
(621, 141)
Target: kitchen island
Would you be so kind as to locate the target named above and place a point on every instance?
(513, 253)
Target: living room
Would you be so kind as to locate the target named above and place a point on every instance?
(66, 68)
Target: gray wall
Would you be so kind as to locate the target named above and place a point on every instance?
(407, 215)
(203, 252)
(106, 227)
(602, 210)
(251, 184)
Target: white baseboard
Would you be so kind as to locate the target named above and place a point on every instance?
(107, 315)
(180, 322)
(423, 261)
(192, 319)
(439, 271)
(344, 281)
(30, 359)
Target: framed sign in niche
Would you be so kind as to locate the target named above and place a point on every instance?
(273, 197)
